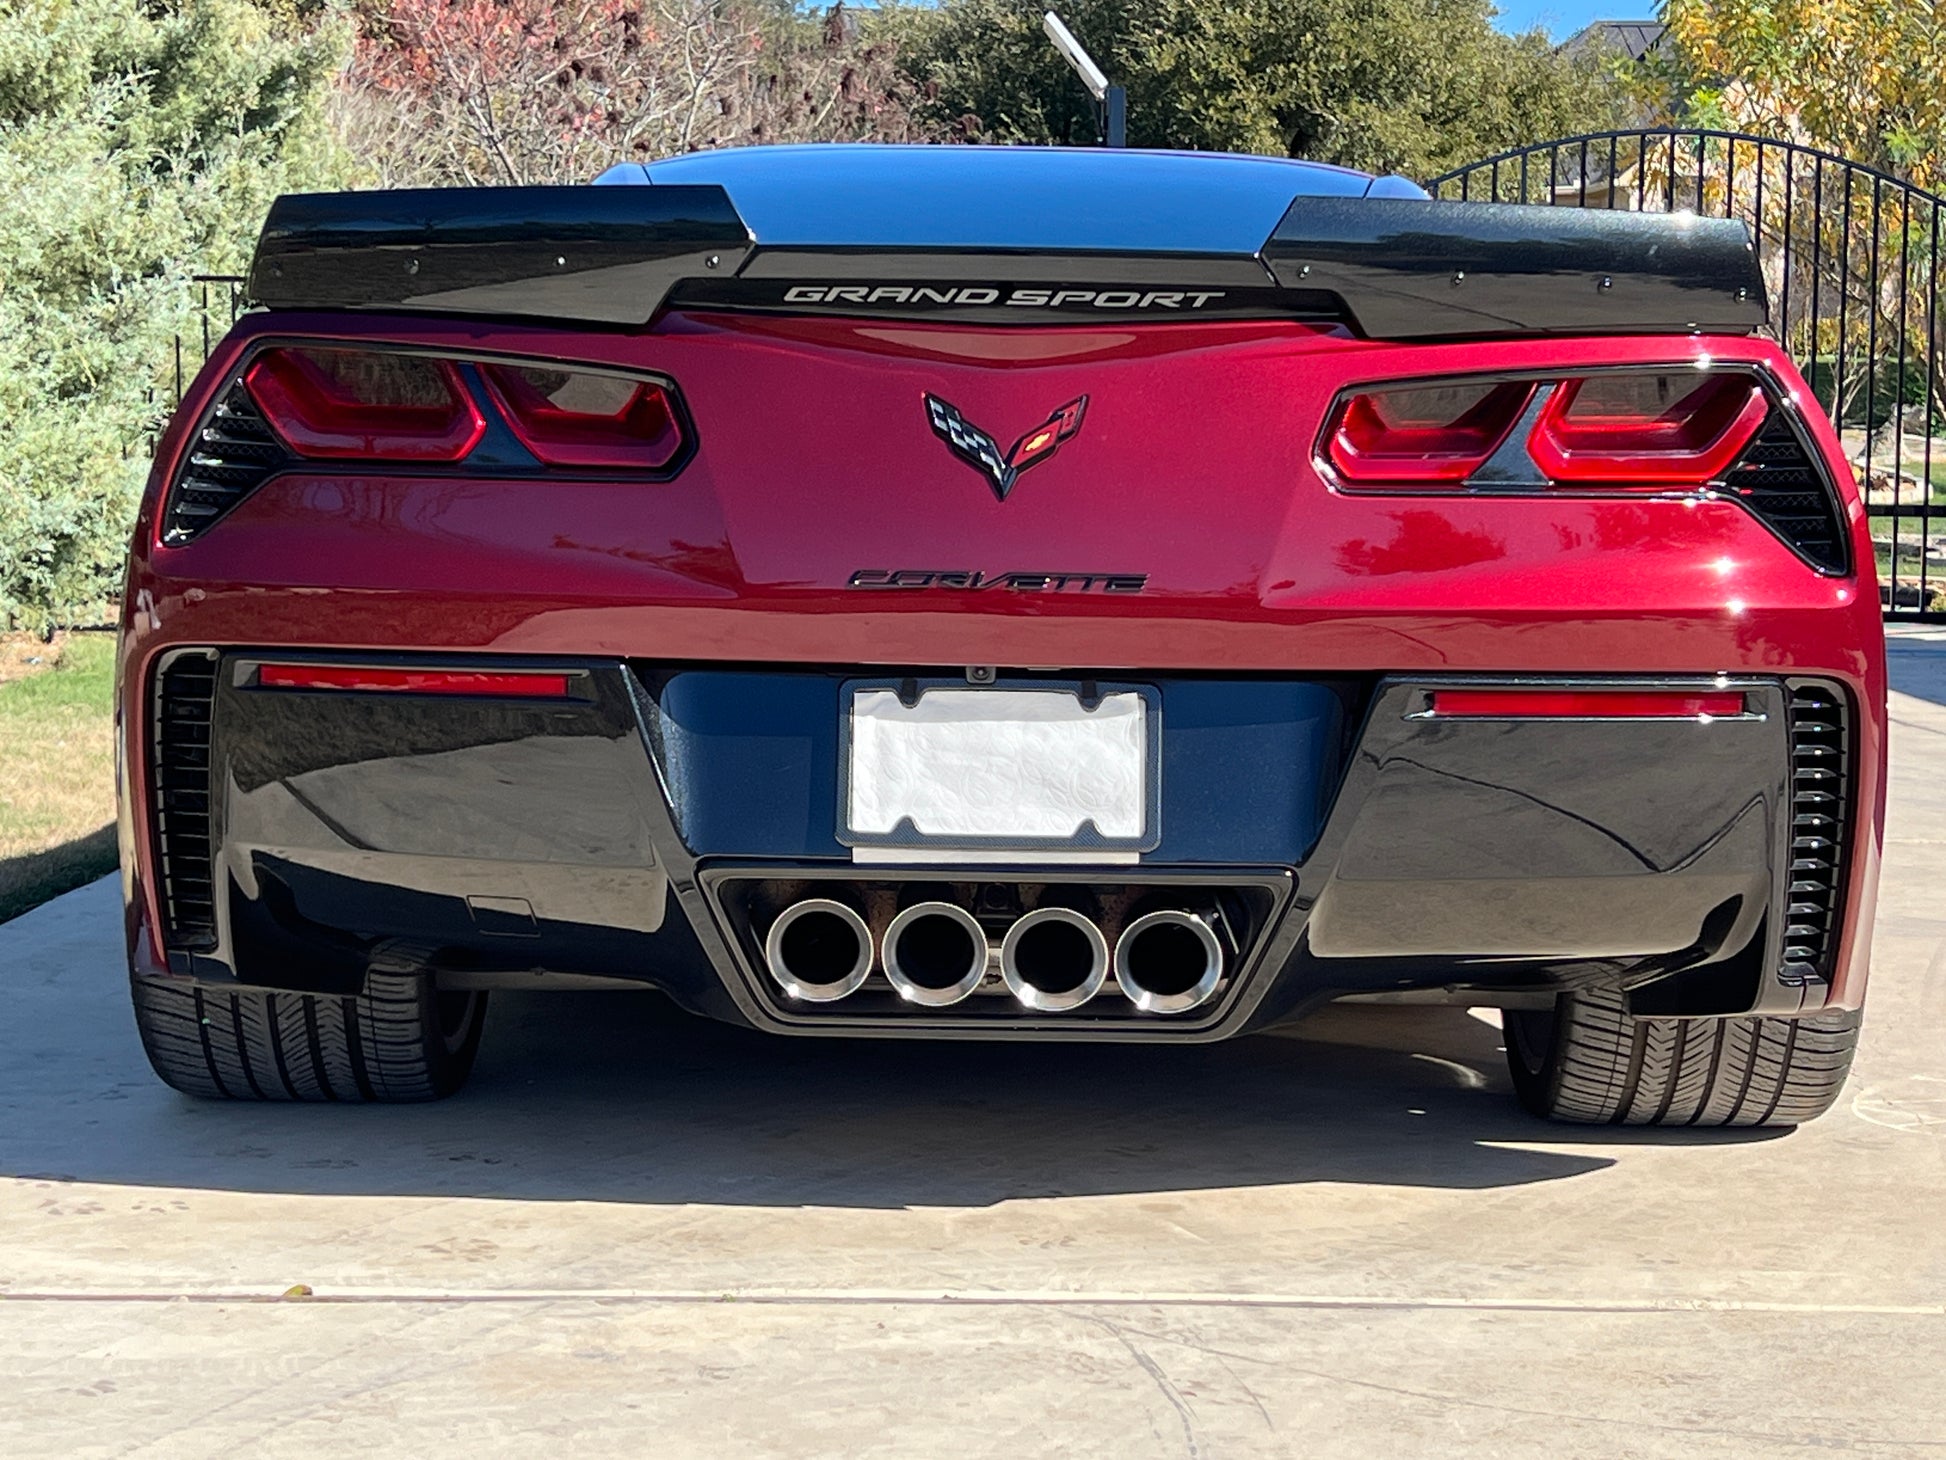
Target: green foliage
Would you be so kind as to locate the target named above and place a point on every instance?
(82, 681)
(1407, 86)
(57, 775)
(140, 143)
(1863, 78)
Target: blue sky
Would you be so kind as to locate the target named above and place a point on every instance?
(1562, 18)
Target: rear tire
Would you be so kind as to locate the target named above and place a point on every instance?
(402, 1040)
(1589, 1061)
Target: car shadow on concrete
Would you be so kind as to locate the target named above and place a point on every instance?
(621, 1098)
(1915, 661)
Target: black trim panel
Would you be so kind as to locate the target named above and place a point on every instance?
(500, 837)
(180, 791)
(1423, 270)
(1250, 902)
(1400, 268)
(606, 255)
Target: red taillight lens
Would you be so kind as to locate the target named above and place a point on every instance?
(1423, 435)
(1647, 428)
(579, 418)
(512, 683)
(366, 404)
(1592, 704)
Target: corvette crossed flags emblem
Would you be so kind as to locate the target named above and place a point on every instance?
(981, 452)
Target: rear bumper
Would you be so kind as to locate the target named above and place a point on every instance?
(634, 827)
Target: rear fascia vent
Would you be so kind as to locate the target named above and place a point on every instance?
(1820, 803)
(1778, 478)
(234, 453)
(185, 691)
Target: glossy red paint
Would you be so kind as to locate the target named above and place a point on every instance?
(1527, 704)
(510, 685)
(814, 461)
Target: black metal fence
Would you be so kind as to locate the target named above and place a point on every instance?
(219, 300)
(1851, 258)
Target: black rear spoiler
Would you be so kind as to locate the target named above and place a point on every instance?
(1391, 268)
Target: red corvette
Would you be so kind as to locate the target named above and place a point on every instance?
(1002, 593)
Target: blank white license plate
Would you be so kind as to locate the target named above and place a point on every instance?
(997, 769)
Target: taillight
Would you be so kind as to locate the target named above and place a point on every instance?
(579, 418)
(1590, 704)
(1623, 429)
(1725, 431)
(353, 405)
(369, 405)
(504, 684)
(1647, 428)
(1423, 435)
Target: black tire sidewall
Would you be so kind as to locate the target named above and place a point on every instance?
(1531, 1038)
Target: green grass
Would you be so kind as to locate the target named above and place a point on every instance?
(57, 775)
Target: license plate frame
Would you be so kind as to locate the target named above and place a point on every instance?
(866, 820)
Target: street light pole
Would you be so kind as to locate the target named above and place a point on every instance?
(1111, 102)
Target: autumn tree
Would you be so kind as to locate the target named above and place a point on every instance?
(524, 91)
(1864, 80)
(1853, 257)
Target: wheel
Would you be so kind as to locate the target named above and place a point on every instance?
(401, 1040)
(1588, 1060)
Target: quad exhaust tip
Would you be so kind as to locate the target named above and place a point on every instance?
(1168, 961)
(935, 954)
(1054, 959)
(818, 950)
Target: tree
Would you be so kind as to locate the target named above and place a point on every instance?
(521, 91)
(1863, 78)
(1407, 86)
(1866, 80)
(140, 142)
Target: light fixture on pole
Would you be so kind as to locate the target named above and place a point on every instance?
(1111, 102)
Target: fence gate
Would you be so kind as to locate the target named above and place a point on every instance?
(1851, 257)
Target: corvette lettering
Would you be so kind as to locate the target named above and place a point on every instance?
(974, 582)
(981, 297)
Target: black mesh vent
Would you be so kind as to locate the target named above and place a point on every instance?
(234, 452)
(184, 691)
(1779, 480)
(1820, 783)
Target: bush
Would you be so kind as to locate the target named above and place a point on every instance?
(1410, 86)
(453, 92)
(140, 143)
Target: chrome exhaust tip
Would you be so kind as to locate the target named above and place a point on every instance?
(1169, 961)
(1054, 959)
(935, 954)
(818, 950)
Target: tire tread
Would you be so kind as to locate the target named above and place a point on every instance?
(1606, 1066)
(253, 1044)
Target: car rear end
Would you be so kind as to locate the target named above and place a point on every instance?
(784, 585)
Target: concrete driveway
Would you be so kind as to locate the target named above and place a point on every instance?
(638, 1233)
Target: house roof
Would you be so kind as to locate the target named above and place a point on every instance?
(1632, 38)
